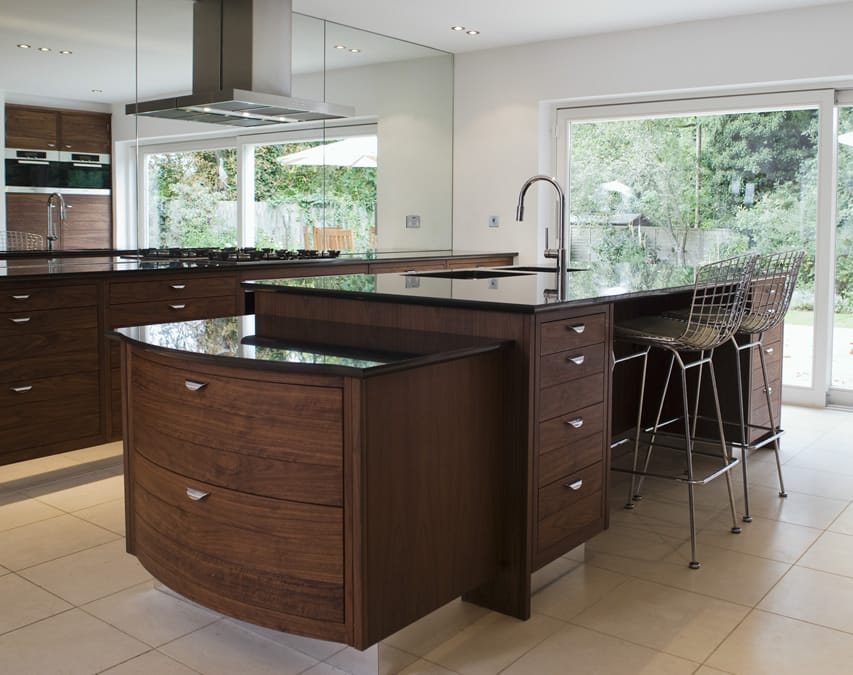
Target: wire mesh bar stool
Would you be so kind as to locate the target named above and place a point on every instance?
(715, 313)
(768, 299)
(12, 240)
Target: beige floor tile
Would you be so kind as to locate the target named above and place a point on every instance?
(71, 643)
(109, 515)
(436, 627)
(817, 597)
(797, 508)
(91, 574)
(49, 539)
(832, 552)
(150, 615)
(79, 492)
(96, 453)
(577, 650)
(492, 643)
(667, 619)
(18, 509)
(768, 644)
(379, 659)
(423, 667)
(766, 538)
(316, 649)
(151, 663)
(24, 603)
(324, 669)
(44, 469)
(707, 670)
(225, 649)
(824, 456)
(575, 592)
(808, 481)
(662, 515)
(844, 523)
(551, 572)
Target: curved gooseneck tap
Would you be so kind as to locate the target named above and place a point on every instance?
(561, 251)
(52, 230)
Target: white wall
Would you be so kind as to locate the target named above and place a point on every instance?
(502, 115)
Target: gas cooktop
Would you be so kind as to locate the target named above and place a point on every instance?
(229, 255)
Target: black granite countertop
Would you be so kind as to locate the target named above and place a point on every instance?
(533, 291)
(103, 262)
(315, 347)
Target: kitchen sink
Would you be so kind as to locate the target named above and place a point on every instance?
(470, 274)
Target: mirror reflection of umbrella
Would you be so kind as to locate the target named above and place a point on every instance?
(354, 151)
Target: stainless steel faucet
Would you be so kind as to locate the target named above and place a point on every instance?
(561, 251)
(53, 230)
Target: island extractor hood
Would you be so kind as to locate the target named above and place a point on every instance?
(241, 69)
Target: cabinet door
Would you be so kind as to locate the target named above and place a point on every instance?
(31, 128)
(27, 213)
(84, 132)
(88, 222)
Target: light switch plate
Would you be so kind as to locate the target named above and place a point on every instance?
(494, 221)
(413, 221)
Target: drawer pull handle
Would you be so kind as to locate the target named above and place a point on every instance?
(22, 319)
(196, 495)
(769, 350)
(178, 306)
(178, 287)
(21, 297)
(192, 385)
(577, 485)
(577, 360)
(769, 390)
(21, 390)
(577, 423)
(578, 328)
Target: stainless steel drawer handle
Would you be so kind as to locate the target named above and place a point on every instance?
(577, 360)
(769, 350)
(196, 495)
(578, 328)
(178, 306)
(192, 385)
(769, 390)
(21, 390)
(21, 297)
(22, 319)
(178, 287)
(577, 423)
(577, 485)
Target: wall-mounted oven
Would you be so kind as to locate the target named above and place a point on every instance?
(31, 168)
(83, 170)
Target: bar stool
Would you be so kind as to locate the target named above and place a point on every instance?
(768, 299)
(715, 313)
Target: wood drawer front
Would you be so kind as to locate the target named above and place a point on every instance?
(166, 311)
(47, 297)
(758, 403)
(499, 261)
(558, 336)
(570, 365)
(563, 510)
(570, 458)
(274, 554)
(54, 409)
(50, 363)
(773, 359)
(286, 422)
(53, 332)
(171, 289)
(412, 266)
(29, 322)
(560, 431)
(573, 395)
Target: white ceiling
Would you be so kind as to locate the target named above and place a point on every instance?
(102, 35)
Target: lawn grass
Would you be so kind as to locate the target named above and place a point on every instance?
(799, 317)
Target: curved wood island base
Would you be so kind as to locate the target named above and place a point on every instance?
(338, 489)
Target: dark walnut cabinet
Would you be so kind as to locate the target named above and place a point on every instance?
(35, 128)
(88, 218)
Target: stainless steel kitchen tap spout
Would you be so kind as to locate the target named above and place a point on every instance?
(561, 251)
(53, 230)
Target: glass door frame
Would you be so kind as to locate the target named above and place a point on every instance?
(823, 100)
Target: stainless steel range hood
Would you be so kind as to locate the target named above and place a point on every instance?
(241, 69)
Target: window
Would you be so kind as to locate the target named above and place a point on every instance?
(291, 190)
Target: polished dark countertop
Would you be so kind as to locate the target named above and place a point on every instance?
(315, 347)
(521, 293)
(83, 262)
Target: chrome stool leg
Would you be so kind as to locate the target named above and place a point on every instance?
(773, 428)
(724, 450)
(744, 437)
(629, 504)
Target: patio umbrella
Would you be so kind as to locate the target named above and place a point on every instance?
(353, 151)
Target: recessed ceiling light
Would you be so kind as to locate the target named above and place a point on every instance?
(457, 28)
(97, 91)
(340, 46)
(355, 51)
(65, 51)
(44, 49)
(24, 46)
(472, 32)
